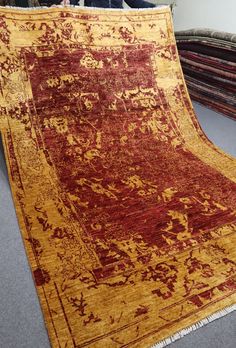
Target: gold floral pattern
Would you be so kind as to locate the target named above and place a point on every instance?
(127, 211)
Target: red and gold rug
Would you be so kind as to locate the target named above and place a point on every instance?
(127, 211)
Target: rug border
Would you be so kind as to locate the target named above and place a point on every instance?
(199, 324)
(229, 172)
(179, 334)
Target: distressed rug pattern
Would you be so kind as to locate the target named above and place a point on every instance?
(127, 211)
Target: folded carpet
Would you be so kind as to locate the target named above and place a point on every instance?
(127, 211)
(209, 57)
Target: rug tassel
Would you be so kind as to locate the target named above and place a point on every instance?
(194, 327)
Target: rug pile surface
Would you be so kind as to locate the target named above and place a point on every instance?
(127, 211)
(208, 59)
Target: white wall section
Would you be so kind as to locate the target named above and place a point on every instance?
(214, 14)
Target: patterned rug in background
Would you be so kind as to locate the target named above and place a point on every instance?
(127, 211)
(208, 59)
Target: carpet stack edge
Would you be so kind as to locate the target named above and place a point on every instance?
(208, 60)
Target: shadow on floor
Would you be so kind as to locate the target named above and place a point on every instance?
(3, 165)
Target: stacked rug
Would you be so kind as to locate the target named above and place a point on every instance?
(209, 63)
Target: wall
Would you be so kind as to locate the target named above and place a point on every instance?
(215, 14)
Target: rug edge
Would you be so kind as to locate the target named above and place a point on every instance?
(199, 324)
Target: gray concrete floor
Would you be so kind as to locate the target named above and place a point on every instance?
(21, 321)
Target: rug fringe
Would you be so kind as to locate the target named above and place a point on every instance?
(194, 327)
